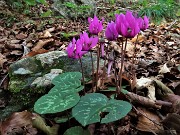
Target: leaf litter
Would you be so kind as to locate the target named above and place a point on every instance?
(156, 105)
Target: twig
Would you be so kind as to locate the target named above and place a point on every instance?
(3, 79)
(146, 101)
(171, 24)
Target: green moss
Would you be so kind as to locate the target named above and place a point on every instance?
(16, 85)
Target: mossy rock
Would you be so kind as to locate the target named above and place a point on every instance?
(32, 76)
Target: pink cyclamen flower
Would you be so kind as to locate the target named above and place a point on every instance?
(88, 43)
(111, 32)
(74, 49)
(143, 22)
(95, 25)
(127, 25)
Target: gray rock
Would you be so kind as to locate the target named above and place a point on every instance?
(31, 77)
(35, 72)
(74, 8)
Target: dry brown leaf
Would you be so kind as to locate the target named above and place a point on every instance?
(116, 47)
(133, 81)
(16, 122)
(130, 49)
(122, 130)
(16, 52)
(91, 128)
(164, 69)
(163, 87)
(51, 29)
(41, 44)
(13, 46)
(2, 60)
(140, 38)
(46, 34)
(3, 39)
(175, 100)
(21, 36)
(33, 53)
(15, 41)
(172, 121)
(148, 121)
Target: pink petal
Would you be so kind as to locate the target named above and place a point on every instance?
(146, 22)
(94, 42)
(124, 30)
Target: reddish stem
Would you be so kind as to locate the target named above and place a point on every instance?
(98, 57)
(80, 60)
(123, 51)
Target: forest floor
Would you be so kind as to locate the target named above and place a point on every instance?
(157, 56)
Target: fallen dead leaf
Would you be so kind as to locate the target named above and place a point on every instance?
(15, 41)
(172, 121)
(165, 90)
(46, 34)
(16, 122)
(130, 49)
(13, 46)
(175, 100)
(21, 36)
(2, 60)
(41, 44)
(140, 38)
(164, 69)
(16, 52)
(148, 121)
(50, 29)
(33, 53)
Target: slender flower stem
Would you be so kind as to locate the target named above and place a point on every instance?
(134, 55)
(103, 54)
(123, 51)
(80, 60)
(92, 70)
(98, 57)
(116, 75)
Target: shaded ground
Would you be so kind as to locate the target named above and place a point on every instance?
(158, 56)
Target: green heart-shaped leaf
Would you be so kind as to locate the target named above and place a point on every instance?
(66, 90)
(77, 130)
(69, 79)
(55, 102)
(91, 106)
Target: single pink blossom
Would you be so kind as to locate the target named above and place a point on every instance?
(143, 22)
(74, 49)
(95, 25)
(111, 32)
(127, 25)
(88, 43)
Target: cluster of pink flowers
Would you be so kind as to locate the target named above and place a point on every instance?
(126, 25)
(76, 49)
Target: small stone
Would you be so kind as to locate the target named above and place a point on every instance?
(22, 71)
